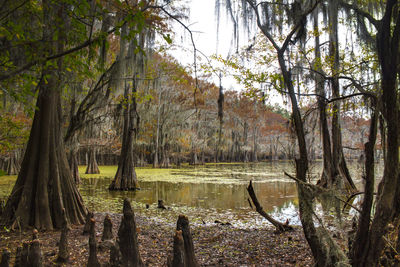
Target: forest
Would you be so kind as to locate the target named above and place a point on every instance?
(282, 150)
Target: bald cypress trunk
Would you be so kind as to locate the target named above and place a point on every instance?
(92, 167)
(125, 178)
(44, 185)
(339, 166)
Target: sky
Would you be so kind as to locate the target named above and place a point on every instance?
(203, 24)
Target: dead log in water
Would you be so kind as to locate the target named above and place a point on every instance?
(280, 227)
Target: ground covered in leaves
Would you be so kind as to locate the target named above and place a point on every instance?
(216, 244)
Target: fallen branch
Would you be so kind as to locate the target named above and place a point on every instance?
(280, 227)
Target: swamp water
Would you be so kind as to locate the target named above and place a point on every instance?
(204, 193)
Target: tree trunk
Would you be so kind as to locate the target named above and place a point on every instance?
(362, 235)
(92, 167)
(339, 166)
(12, 164)
(74, 166)
(45, 185)
(387, 204)
(221, 120)
(125, 178)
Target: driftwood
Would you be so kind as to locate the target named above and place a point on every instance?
(178, 254)
(92, 261)
(280, 227)
(63, 252)
(86, 228)
(183, 225)
(107, 229)
(5, 258)
(127, 238)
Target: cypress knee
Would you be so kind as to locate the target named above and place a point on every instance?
(183, 225)
(86, 228)
(5, 258)
(63, 253)
(92, 261)
(107, 229)
(35, 254)
(178, 254)
(127, 238)
(24, 254)
(18, 257)
(115, 259)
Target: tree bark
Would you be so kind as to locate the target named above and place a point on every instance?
(13, 166)
(92, 167)
(178, 254)
(92, 260)
(320, 91)
(387, 204)
(44, 185)
(74, 166)
(127, 238)
(107, 229)
(221, 121)
(362, 235)
(63, 251)
(86, 227)
(339, 166)
(183, 225)
(125, 178)
(35, 254)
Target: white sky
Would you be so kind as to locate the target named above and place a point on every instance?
(203, 24)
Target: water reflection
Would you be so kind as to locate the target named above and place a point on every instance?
(217, 187)
(202, 195)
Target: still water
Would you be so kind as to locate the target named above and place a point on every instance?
(215, 186)
(213, 189)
